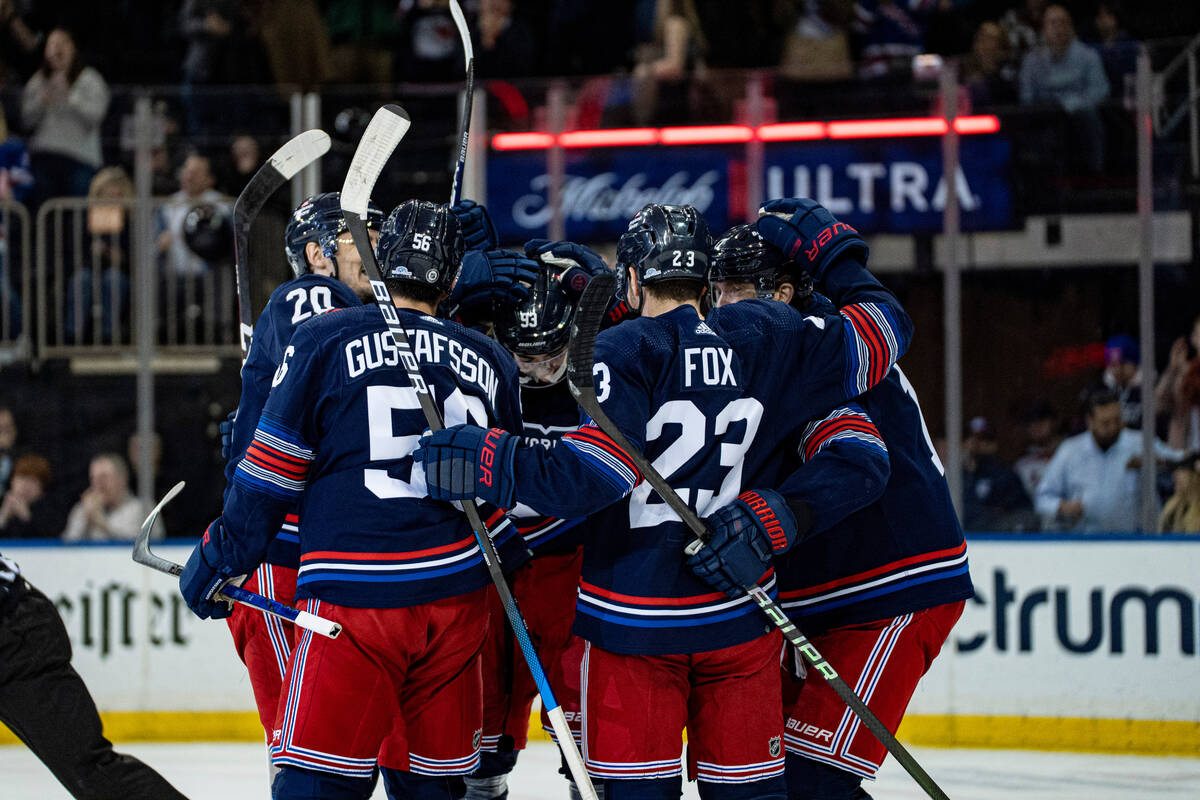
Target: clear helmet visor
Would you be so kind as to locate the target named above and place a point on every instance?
(539, 372)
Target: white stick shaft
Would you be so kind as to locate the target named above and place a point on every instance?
(566, 743)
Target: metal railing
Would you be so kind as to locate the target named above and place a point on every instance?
(15, 281)
(1165, 122)
(86, 274)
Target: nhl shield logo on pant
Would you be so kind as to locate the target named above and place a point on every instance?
(773, 747)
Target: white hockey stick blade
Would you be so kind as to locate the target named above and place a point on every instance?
(383, 133)
(141, 543)
(300, 151)
(574, 762)
(460, 22)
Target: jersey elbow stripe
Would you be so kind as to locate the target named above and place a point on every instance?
(843, 423)
(873, 345)
(601, 440)
(603, 463)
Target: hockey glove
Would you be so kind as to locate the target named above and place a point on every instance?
(745, 535)
(466, 462)
(204, 576)
(497, 276)
(477, 229)
(805, 231)
(225, 428)
(575, 264)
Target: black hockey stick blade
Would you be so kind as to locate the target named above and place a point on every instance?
(464, 124)
(296, 154)
(580, 357)
(141, 543)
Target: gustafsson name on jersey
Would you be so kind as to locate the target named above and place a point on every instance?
(379, 349)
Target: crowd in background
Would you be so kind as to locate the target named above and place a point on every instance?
(1073, 59)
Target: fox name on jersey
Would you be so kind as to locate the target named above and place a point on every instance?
(378, 349)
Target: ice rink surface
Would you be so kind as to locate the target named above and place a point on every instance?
(238, 772)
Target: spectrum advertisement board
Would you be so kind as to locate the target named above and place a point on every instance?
(877, 185)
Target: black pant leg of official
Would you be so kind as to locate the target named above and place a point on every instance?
(46, 704)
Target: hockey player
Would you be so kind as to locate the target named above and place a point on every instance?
(401, 572)
(536, 332)
(877, 586)
(708, 403)
(328, 275)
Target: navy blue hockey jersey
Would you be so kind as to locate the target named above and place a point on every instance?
(337, 434)
(547, 414)
(711, 404)
(291, 304)
(902, 552)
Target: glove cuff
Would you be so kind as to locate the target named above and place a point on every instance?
(494, 467)
(774, 515)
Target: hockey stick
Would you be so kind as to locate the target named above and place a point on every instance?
(296, 154)
(592, 306)
(143, 555)
(464, 125)
(384, 132)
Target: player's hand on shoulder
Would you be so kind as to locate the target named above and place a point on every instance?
(575, 263)
(744, 537)
(466, 462)
(806, 231)
(477, 229)
(204, 576)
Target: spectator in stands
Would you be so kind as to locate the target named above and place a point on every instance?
(993, 498)
(1181, 514)
(989, 72)
(295, 43)
(504, 45)
(1042, 431)
(64, 104)
(108, 235)
(361, 33)
(1178, 393)
(106, 509)
(1123, 376)
(21, 517)
(1022, 26)
(16, 180)
(19, 44)
(890, 34)
(428, 48)
(1118, 52)
(8, 443)
(16, 173)
(222, 49)
(1092, 483)
(661, 78)
(818, 46)
(196, 186)
(1067, 74)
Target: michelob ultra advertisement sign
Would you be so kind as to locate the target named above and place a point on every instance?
(877, 185)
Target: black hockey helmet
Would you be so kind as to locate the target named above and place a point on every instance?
(319, 219)
(537, 330)
(421, 243)
(666, 243)
(742, 255)
(208, 231)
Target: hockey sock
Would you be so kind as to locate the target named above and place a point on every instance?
(647, 789)
(493, 788)
(293, 783)
(401, 785)
(769, 789)
(812, 780)
(573, 790)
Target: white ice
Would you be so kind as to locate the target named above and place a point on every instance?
(238, 772)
